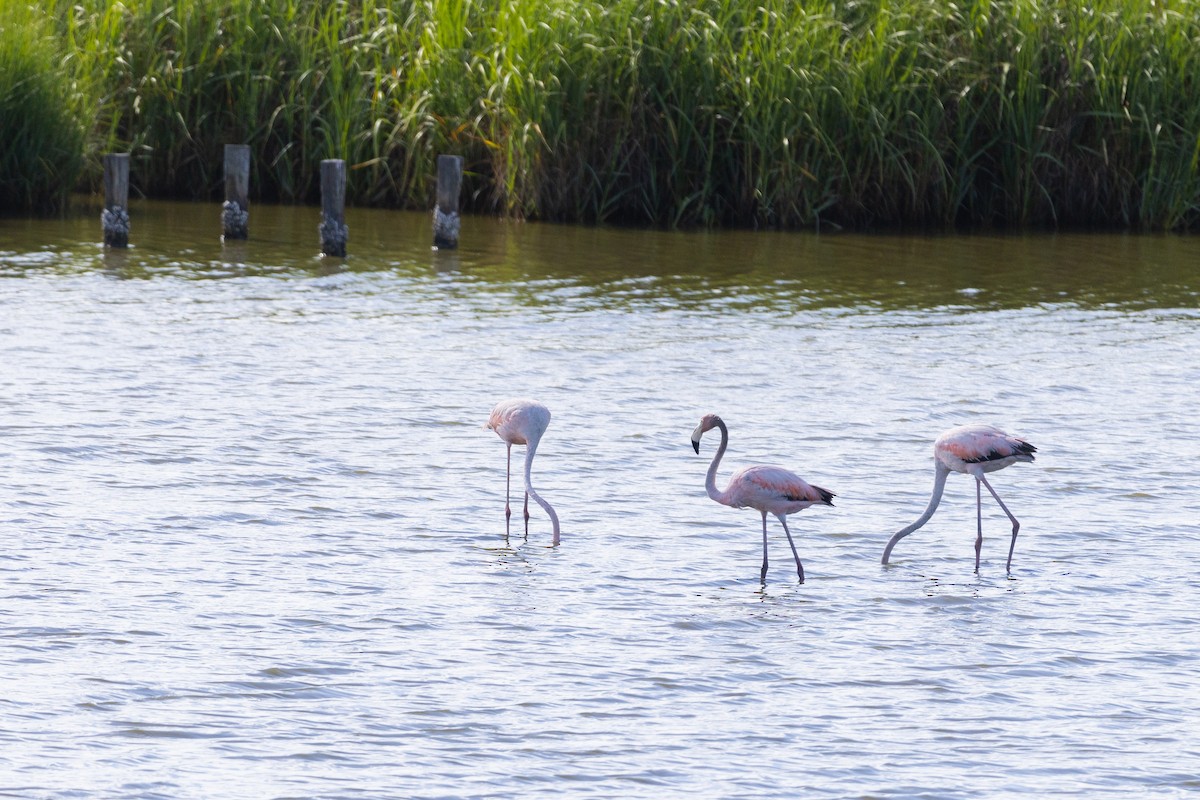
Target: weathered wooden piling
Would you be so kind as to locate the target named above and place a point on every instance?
(446, 223)
(334, 232)
(115, 217)
(235, 213)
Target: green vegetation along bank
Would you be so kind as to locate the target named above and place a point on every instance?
(858, 114)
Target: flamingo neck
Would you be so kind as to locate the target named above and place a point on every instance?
(941, 471)
(710, 481)
(530, 450)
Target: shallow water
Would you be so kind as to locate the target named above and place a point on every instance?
(255, 542)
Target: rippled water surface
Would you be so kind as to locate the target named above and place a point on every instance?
(255, 547)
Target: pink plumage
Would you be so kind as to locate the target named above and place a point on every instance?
(768, 489)
(960, 447)
(777, 490)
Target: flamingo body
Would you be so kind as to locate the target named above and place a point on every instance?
(522, 421)
(985, 447)
(518, 420)
(773, 489)
(971, 450)
(769, 490)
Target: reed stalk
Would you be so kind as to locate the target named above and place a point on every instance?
(41, 135)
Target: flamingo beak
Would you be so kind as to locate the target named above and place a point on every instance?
(696, 434)
(696, 446)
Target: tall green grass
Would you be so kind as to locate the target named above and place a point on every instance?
(41, 130)
(767, 113)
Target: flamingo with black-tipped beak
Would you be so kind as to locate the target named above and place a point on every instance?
(972, 450)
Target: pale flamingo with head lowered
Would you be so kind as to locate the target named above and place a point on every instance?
(767, 489)
(971, 450)
(521, 421)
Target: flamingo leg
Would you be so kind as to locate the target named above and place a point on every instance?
(799, 566)
(764, 566)
(508, 484)
(1016, 525)
(527, 510)
(978, 520)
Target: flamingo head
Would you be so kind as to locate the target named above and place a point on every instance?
(709, 422)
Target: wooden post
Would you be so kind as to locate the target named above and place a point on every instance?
(446, 223)
(115, 217)
(334, 232)
(235, 213)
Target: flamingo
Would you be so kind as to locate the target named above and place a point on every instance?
(971, 450)
(521, 421)
(772, 489)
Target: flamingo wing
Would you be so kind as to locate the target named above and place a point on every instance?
(518, 420)
(978, 444)
(762, 485)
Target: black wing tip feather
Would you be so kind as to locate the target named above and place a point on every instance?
(826, 496)
(1023, 448)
